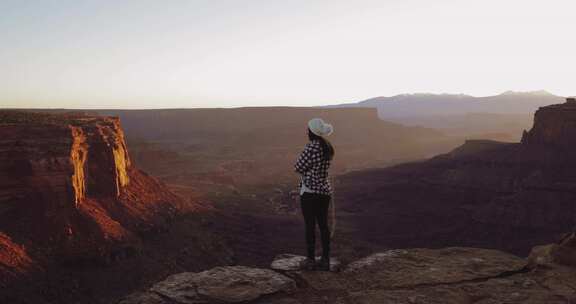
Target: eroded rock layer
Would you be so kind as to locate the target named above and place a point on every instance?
(69, 192)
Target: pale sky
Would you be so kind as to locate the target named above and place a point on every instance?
(218, 53)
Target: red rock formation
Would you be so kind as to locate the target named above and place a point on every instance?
(554, 126)
(68, 191)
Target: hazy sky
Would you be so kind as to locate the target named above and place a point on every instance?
(217, 53)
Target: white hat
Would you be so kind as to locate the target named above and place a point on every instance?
(319, 127)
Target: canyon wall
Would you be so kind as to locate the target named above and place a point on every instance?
(509, 196)
(554, 126)
(69, 192)
(62, 161)
(528, 189)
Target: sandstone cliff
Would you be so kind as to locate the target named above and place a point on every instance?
(69, 192)
(554, 126)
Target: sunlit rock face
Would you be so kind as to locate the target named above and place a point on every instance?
(105, 169)
(68, 189)
(62, 159)
(554, 126)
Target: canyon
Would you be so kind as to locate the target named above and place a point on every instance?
(80, 221)
(507, 196)
(510, 196)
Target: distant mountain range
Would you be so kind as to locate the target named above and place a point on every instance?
(425, 104)
(499, 117)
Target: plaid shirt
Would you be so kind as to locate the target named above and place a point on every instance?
(314, 168)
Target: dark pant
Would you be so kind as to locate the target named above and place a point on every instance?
(315, 210)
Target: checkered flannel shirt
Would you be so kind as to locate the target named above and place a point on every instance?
(313, 167)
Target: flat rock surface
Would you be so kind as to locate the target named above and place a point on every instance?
(399, 268)
(412, 276)
(515, 289)
(231, 284)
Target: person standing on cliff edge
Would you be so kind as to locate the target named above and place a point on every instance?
(315, 190)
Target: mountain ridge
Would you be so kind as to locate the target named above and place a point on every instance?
(433, 97)
(498, 117)
(454, 95)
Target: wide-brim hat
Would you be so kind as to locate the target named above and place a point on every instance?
(319, 127)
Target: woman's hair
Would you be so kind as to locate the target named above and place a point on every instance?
(327, 147)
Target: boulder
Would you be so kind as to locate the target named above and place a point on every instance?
(562, 253)
(230, 284)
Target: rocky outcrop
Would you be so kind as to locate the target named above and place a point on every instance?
(554, 126)
(232, 284)
(429, 266)
(449, 275)
(69, 192)
(65, 158)
(101, 173)
(561, 253)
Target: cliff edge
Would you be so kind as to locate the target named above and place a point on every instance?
(453, 275)
(554, 126)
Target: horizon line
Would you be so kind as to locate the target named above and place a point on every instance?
(508, 92)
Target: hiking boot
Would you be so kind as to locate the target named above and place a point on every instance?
(308, 264)
(324, 264)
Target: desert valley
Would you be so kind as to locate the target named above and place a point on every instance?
(101, 206)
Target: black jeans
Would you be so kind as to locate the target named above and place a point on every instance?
(315, 210)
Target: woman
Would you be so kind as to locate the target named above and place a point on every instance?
(315, 191)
